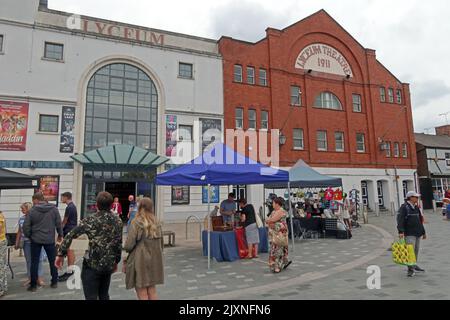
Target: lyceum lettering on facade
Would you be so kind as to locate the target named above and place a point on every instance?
(127, 33)
(323, 58)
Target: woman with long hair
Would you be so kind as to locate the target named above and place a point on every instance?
(144, 266)
(24, 243)
(278, 237)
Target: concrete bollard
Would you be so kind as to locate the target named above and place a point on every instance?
(434, 206)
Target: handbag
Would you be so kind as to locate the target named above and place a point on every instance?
(403, 253)
(279, 238)
(259, 222)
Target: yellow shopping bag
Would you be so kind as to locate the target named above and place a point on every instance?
(403, 253)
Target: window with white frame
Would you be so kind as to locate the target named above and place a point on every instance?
(185, 133)
(360, 143)
(48, 123)
(251, 119)
(399, 96)
(388, 150)
(391, 95)
(396, 150)
(239, 115)
(264, 120)
(186, 70)
(327, 100)
(296, 96)
(263, 77)
(299, 142)
(382, 94)
(405, 150)
(357, 103)
(339, 141)
(322, 144)
(447, 159)
(54, 51)
(237, 73)
(250, 75)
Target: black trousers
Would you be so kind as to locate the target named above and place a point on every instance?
(50, 249)
(95, 283)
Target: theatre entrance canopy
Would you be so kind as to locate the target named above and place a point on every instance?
(122, 170)
(120, 158)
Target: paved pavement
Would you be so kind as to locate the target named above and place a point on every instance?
(321, 269)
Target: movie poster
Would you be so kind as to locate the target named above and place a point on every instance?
(171, 138)
(180, 195)
(211, 132)
(214, 194)
(49, 186)
(67, 130)
(13, 125)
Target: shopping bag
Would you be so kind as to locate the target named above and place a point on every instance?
(403, 253)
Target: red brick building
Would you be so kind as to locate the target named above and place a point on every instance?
(339, 108)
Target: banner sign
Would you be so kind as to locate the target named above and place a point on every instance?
(49, 186)
(214, 194)
(13, 125)
(211, 132)
(67, 130)
(180, 195)
(171, 136)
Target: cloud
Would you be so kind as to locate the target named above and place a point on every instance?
(424, 93)
(243, 20)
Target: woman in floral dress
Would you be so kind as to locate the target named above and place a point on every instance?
(278, 237)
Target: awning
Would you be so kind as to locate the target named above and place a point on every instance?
(121, 157)
(14, 180)
(302, 175)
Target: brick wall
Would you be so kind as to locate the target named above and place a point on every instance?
(277, 53)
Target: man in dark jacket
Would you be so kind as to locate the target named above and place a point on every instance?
(410, 226)
(40, 226)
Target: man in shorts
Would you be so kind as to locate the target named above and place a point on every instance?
(70, 221)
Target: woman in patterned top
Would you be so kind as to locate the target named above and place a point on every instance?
(278, 237)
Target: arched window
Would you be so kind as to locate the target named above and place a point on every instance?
(327, 100)
(121, 108)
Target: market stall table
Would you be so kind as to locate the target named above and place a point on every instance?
(224, 245)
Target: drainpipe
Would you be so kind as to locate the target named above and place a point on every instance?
(396, 186)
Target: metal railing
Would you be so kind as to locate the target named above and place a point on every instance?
(199, 225)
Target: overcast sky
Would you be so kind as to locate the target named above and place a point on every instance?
(411, 37)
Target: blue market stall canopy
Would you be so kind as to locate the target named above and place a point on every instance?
(303, 176)
(14, 180)
(120, 158)
(221, 165)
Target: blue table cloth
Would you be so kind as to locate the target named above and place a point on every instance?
(224, 245)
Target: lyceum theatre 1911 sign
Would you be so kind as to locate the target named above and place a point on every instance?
(323, 58)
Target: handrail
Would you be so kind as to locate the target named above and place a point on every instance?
(199, 222)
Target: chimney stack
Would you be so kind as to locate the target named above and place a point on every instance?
(443, 130)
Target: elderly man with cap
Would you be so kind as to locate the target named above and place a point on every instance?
(410, 226)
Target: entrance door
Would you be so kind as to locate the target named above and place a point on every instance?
(405, 189)
(380, 194)
(122, 190)
(365, 194)
(240, 192)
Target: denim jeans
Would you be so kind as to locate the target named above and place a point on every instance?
(27, 253)
(95, 283)
(36, 250)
